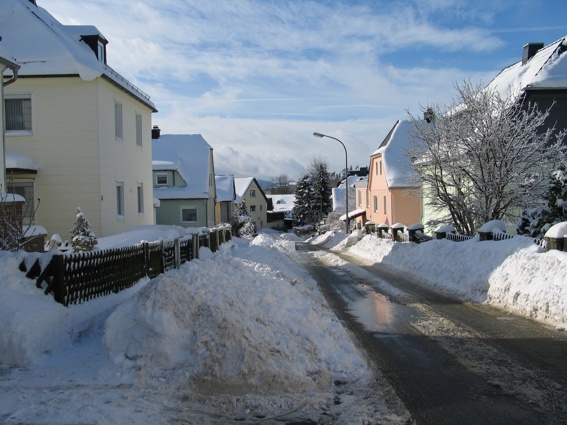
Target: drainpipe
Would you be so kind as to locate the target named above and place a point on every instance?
(15, 68)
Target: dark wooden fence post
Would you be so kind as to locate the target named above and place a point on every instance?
(59, 289)
(195, 241)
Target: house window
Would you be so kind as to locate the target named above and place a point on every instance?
(252, 208)
(252, 193)
(140, 198)
(188, 214)
(385, 211)
(380, 167)
(120, 198)
(139, 129)
(18, 115)
(261, 208)
(118, 125)
(359, 197)
(367, 203)
(26, 190)
(376, 167)
(161, 180)
(375, 204)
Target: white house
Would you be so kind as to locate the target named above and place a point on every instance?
(184, 180)
(86, 129)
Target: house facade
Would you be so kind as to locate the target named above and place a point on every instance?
(247, 188)
(184, 180)
(393, 187)
(226, 194)
(85, 128)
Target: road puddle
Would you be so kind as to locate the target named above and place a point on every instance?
(379, 314)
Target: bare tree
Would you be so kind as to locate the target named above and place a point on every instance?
(484, 157)
(281, 185)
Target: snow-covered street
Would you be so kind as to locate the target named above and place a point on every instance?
(242, 336)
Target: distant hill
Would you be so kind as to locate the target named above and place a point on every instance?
(264, 184)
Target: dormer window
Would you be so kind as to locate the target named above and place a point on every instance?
(97, 43)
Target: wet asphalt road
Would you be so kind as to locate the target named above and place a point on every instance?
(449, 362)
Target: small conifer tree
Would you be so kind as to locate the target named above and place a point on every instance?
(84, 238)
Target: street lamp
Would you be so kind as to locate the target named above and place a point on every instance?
(320, 135)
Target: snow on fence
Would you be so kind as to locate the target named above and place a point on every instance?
(77, 277)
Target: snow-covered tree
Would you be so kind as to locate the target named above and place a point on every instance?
(535, 221)
(242, 224)
(303, 209)
(313, 194)
(321, 190)
(484, 157)
(84, 238)
(281, 185)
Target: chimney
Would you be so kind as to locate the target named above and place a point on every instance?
(530, 50)
(156, 132)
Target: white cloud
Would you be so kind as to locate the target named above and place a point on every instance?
(256, 78)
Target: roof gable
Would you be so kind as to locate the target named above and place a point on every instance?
(242, 184)
(45, 47)
(394, 152)
(545, 69)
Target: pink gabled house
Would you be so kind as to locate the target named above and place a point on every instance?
(393, 193)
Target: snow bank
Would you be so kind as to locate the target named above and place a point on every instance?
(232, 326)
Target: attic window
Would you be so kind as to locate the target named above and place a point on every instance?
(101, 55)
(161, 180)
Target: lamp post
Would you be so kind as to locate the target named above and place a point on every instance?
(320, 135)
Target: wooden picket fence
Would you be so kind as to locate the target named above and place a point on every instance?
(77, 277)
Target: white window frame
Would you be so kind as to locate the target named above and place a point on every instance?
(140, 193)
(120, 199)
(139, 130)
(21, 96)
(188, 207)
(101, 54)
(118, 121)
(252, 193)
(166, 175)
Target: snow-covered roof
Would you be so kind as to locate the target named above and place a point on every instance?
(282, 203)
(546, 69)
(394, 149)
(241, 185)
(44, 46)
(225, 188)
(189, 155)
(20, 161)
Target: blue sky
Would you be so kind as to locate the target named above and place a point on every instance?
(257, 77)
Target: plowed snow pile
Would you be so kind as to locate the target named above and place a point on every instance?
(247, 329)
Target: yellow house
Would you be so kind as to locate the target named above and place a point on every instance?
(247, 188)
(393, 187)
(84, 128)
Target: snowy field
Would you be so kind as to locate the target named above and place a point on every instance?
(242, 336)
